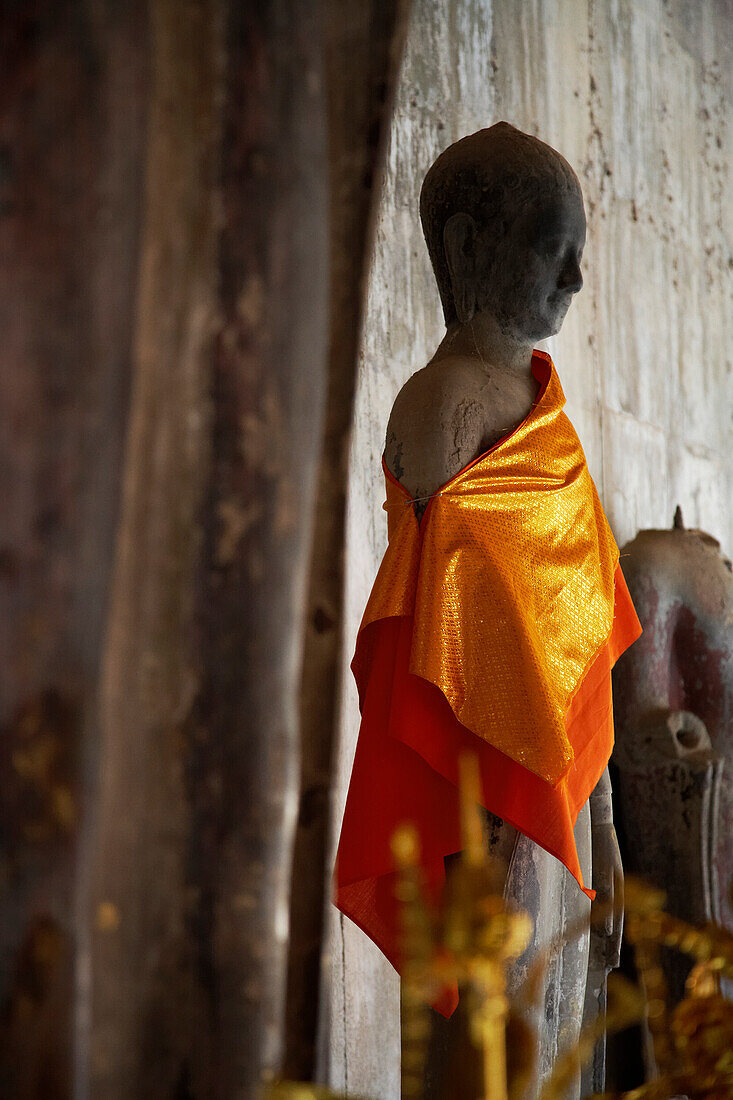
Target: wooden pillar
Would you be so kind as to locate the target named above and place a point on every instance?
(166, 259)
(71, 130)
(199, 774)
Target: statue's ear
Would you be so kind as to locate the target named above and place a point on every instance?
(460, 240)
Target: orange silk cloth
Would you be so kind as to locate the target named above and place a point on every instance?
(510, 584)
(492, 626)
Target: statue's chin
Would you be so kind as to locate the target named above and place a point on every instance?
(538, 326)
(540, 330)
(551, 324)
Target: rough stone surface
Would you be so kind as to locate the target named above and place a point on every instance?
(634, 97)
(673, 701)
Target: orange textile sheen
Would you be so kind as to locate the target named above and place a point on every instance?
(510, 582)
(492, 627)
(406, 769)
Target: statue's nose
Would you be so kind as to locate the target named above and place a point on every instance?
(571, 277)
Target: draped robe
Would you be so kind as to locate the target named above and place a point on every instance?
(492, 627)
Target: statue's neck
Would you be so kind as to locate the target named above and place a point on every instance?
(483, 339)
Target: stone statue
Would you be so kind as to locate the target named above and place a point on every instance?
(505, 227)
(673, 699)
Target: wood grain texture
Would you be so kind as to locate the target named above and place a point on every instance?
(72, 114)
(194, 828)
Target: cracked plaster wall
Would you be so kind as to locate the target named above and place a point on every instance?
(634, 94)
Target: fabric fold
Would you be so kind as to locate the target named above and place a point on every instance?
(492, 627)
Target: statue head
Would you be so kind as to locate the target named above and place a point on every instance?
(504, 223)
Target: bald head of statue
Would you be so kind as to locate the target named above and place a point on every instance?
(504, 223)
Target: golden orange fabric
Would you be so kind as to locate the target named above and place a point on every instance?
(534, 645)
(510, 582)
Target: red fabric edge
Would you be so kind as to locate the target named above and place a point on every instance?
(414, 773)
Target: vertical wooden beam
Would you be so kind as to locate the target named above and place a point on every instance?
(199, 775)
(269, 389)
(197, 298)
(148, 1025)
(71, 127)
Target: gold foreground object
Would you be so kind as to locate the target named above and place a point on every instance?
(294, 1090)
(471, 941)
(474, 937)
(477, 938)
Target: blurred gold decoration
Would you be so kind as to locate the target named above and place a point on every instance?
(471, 944)
(693, 1044)
(420, 982)
(473, 937)
(293, 1090)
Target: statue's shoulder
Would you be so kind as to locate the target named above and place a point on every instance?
(438, 389)
(437, 423)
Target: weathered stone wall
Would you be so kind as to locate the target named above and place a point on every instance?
(633, 93)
